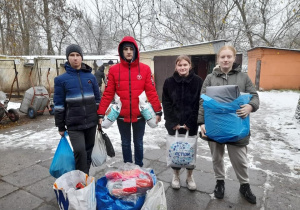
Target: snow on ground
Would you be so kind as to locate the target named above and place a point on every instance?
(275, 132)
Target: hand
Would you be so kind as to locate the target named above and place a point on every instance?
(185, 127)
(203, 130)
(244, 111)
(158, 119)
(177, 127)
(99, 124)
(62, 133)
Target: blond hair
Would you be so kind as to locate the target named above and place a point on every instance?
(227, 47)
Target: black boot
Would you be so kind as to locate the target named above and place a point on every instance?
(219, 189)
(247, 193)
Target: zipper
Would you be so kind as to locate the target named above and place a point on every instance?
(81, 90)
(129, 90)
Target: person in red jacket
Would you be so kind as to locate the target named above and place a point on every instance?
(128, 79)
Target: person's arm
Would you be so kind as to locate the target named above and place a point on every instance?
(254, 102)
(167, 103)
(96, 91)
(195, 109)
(151, 93)
(206, 83)
(59, 105)
(253, 105)
(107, 97)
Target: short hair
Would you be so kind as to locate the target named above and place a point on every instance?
(183, 57)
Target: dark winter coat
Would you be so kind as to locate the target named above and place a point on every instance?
(180, 101)
(76, 98)
(99, 74)
(129, 80)
(234, 77)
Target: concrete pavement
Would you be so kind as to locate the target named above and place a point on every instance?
(25, 183)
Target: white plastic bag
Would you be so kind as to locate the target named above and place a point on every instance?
(147, 110)
(112, 112)
(156, 198)
(68, 197)
(181, 150)
(99, 151)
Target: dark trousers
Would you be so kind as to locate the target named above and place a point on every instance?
(138, 129)
(83, 143)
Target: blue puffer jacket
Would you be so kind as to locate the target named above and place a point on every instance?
(76, 99)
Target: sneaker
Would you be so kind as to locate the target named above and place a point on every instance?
(219, 189)
(175, 182)
(191, 185)
(247, 193)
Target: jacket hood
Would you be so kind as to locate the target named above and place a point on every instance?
(84, 67)
(235, 68)
(136, 53)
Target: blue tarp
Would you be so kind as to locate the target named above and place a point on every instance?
(222, 124)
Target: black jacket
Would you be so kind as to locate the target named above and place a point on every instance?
(99, 74)
(180, 102)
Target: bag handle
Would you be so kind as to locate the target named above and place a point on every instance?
(186, 134)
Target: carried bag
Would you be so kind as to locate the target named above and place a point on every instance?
(156, 198)
(75, 190)
(109, 147)
(99, 151)
(112, 112)
(222, 124)
(63, 160)
(147, 111)
(107, 201)
(181, 150)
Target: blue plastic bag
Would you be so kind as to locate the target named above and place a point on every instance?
(109, 202)
(63, 160)
(222, 124)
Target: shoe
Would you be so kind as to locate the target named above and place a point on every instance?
(247, 193)
(191, 185)
(176, 181)
(219, 189)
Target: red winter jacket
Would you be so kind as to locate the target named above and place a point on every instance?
(123, 79)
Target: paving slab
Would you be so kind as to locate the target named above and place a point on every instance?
(16, 159)
(43, 189)
(256, 176)
(20, 200)
(186, 199)
(155, 154)
(47, 207)
(27, 176)
(6, 188)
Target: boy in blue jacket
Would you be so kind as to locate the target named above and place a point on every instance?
(76, 99)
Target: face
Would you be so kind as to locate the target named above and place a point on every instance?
(183, 68)
(128, 53)
(75, 60)
(226, 59)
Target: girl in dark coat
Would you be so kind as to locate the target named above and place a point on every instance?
(180, 101)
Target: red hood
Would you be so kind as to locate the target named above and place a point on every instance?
(132, 40)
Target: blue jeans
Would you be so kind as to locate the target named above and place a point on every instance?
(138, 134)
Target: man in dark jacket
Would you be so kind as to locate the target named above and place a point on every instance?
(76, 98)
(99, 74)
